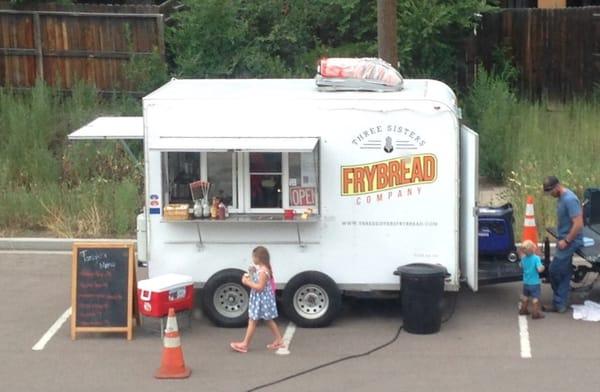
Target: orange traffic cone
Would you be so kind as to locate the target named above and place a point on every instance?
(529, 228)
(172, 365)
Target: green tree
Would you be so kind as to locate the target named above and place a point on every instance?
(207, 39)
(269, 38)
(285, 38)
(431, 34)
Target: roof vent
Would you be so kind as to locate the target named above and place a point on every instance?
(357, 74)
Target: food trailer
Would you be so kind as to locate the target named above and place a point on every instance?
(342, 187)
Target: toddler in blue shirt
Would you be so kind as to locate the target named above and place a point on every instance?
(532, 287)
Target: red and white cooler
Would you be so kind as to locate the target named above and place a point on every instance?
(157, 295)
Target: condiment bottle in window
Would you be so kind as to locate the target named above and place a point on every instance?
(222, 210)
(214, 210)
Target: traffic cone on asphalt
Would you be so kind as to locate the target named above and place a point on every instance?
(172, 365)
(529, 228)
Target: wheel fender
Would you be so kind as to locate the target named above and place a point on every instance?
(224, 271)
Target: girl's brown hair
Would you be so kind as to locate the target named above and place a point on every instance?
(262, 254)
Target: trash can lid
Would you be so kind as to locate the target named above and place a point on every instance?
(421, 269)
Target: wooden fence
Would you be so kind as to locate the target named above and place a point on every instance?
(63, 47)
(557, 51)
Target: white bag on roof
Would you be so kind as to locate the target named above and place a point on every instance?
(347, 74)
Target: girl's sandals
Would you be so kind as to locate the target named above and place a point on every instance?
(239, 347)
(276, 345)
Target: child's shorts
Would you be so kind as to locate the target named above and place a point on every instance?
(532, 290)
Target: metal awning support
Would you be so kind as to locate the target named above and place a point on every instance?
(132, 156)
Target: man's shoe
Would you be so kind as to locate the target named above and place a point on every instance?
(552, 309)
(548, 308)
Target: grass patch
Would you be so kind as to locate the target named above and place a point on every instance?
(560, 139)
(80, 189)
(521, 142)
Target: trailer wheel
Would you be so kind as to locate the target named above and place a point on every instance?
(311, 299)
(225, 299)
(584, 274)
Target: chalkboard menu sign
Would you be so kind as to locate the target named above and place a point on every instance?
(102, 288)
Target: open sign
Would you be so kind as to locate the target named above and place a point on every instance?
(303, 196)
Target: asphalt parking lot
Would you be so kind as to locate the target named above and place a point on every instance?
(478, 349)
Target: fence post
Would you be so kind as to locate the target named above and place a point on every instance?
(37, 39)
(160, 29)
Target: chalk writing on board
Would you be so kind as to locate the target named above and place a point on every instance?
(86, 257)
(102, 286)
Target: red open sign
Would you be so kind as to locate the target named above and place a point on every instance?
(301, 196)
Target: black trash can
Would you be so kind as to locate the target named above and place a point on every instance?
(422, 290)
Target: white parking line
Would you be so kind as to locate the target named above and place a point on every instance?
(287, 339)
(52, 330)
(524, 337)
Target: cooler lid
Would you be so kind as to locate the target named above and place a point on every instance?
(165, 282)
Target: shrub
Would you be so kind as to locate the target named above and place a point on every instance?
(127, 201)
(145, 73)
(490, 109)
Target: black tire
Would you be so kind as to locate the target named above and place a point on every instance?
(225, 299)
(311, 299)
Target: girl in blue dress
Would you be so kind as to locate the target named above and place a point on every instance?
(262, 300)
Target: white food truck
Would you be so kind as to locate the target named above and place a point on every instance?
(377, 180)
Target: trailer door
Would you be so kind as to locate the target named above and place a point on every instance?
(469, 194)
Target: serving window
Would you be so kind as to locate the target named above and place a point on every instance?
(182, 168)
(222, 173)
(266, 177)
(247, 181)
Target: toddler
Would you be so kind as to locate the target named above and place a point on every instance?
(532, 266)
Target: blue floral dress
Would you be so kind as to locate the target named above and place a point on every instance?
(262, 303)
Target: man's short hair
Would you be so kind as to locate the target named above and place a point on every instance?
(550, 183)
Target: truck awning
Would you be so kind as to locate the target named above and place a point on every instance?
(102, 128)
(251, 144)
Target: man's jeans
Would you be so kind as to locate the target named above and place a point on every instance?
(560, 275)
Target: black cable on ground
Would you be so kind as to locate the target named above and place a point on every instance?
(348, 357)
(329, 363)
(453, 308)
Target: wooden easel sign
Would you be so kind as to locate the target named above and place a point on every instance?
(102, 288)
